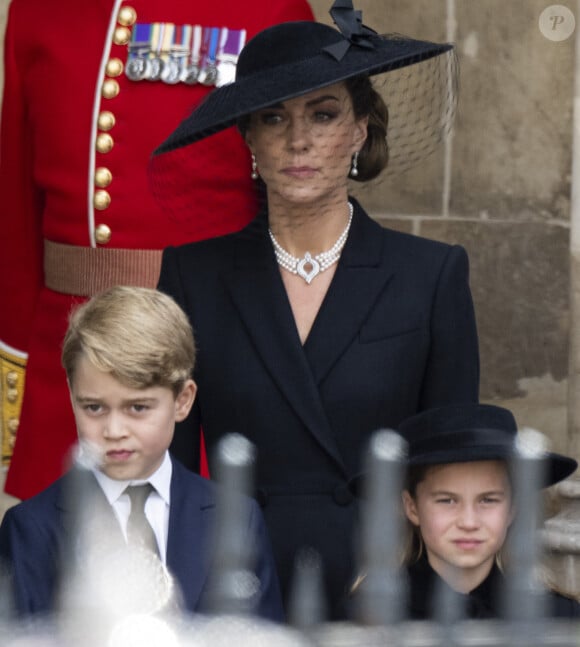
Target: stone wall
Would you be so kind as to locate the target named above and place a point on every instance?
(501, 187)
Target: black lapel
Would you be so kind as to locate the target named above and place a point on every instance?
(361, 276)
(256, 287)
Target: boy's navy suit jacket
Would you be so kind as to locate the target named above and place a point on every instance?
(36, 541)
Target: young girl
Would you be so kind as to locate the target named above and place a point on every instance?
(459, 499)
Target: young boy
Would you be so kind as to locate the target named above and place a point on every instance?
(128, 356)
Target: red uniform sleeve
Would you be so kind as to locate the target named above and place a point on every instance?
(20, 216)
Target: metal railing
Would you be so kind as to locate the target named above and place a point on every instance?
(380, 614)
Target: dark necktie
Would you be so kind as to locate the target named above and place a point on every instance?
(139, 530)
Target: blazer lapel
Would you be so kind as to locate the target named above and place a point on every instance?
(362, 274)
(88, 520)
(187, 537)
(255, 286)
(80, 494)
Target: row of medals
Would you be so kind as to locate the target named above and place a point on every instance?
(179, 69)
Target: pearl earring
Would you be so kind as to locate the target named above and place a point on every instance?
(354, 166)
(255, 175)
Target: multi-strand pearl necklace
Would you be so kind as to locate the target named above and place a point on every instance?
(317, 263)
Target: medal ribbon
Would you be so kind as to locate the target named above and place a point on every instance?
(214, 49)
(140, 40)
(233, 40)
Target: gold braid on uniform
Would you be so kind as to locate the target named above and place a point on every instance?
(12, 374)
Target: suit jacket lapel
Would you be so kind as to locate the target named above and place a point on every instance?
(187, 537)
(80, 493)
(88, 520)
(361, 276)
(256, 286)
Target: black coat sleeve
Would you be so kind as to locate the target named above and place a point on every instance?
(452, 372)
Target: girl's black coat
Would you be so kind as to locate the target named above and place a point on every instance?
(485, 601)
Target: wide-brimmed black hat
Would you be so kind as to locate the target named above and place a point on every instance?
(462, 433)
(294, 58)
(471, 432)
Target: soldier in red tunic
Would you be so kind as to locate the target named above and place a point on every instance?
(90, 90)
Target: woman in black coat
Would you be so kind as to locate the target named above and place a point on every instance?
(315, 326)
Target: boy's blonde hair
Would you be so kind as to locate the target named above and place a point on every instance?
(138, 335)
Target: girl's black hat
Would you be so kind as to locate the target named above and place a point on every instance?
(471, 432)
(463, 433)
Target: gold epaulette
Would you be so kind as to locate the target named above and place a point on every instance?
(12, 373)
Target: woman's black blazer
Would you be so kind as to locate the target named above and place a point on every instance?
(395, 334)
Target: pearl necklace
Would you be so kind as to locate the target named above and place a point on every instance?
(317, 263)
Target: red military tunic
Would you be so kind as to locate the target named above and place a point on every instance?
(77, 212)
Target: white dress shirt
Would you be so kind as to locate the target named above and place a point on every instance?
(156, 506)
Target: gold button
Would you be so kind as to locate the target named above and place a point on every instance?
(127, 16)
(122, 36)
(12, 395)
(114, 67)
(13, 425)
(105, 143)
(110, 89)
(12, 379)
(103, 177)
(101, 201)
(106, 120)
(103, 234)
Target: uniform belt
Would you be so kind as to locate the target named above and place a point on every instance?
(84, 271)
